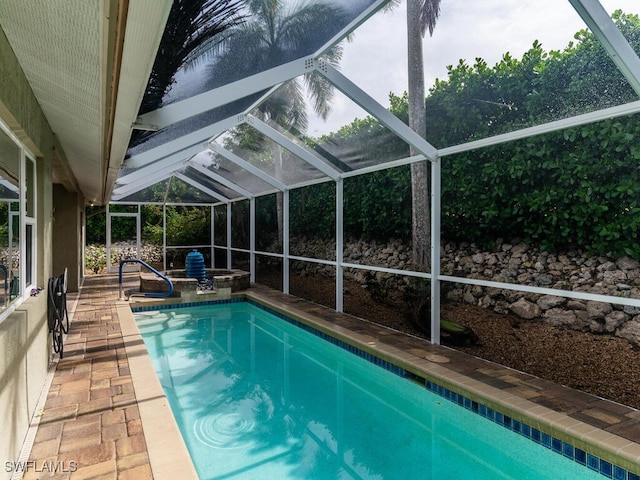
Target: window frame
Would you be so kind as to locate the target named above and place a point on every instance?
(27, 244)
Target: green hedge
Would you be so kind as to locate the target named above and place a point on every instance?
(579, 187)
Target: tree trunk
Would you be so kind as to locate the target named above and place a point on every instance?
(421, 218)
(277, 156)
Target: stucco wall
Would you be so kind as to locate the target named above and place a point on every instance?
(67, 235)
(24, 340)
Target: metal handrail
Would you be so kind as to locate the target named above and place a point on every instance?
(148, 294)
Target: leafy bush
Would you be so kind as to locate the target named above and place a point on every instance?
(95, 258)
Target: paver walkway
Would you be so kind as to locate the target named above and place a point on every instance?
(90, 426)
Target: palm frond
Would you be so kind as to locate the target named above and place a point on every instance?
(429, 14)
(286, 106)
(272, 35)
(308, 27)
(191, 24)
(320, 92)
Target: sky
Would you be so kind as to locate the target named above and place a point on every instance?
(375, 59)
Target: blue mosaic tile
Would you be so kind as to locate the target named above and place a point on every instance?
(568, 450)
(175, 306)
(593, 462)
(546, 440)
(516, 426)
(606, 469)
(619, 473)
(491, 414)
(633, 476)
(526, 430)
(536, 435)
(556, 445)
(581, 456)
(507, 422)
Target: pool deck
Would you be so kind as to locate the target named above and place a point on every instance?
(105, 416)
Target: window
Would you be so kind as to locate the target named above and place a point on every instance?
(17, 220)
(10, 156)
(30, 222)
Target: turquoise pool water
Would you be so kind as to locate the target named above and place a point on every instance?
(258, 398)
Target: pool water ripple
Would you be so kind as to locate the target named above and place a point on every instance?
(227, 430)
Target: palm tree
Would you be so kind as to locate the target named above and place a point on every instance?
(421, 15)
(190, 25)
(275, 34)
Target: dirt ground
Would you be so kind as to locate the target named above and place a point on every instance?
(602, 365)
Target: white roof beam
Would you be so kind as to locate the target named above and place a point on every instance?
(385, 117)
(294, 148)
(584, 119)
(217, 97)
(221, 180)
(172, 162)
(156, 175)
(184, 142)
(232, 157)
(126, 190)
(385, 166)
(202, 188)
(8, 185)
(606, 31)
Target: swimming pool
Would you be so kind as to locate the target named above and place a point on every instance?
(257, 397)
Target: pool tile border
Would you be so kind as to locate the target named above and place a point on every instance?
(565, 449)
(593, 462)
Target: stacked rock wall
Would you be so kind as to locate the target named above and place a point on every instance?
(515, 262)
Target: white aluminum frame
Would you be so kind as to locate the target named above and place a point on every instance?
(128, 268)
(171, 157)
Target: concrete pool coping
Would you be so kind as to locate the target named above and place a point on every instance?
(597, 426)
(168, 454)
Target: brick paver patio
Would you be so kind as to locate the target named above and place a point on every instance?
(91, 426)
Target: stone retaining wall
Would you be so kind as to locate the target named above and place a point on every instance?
(514, 262)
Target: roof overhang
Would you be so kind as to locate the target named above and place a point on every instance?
(87, 63)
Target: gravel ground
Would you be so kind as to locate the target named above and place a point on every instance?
(605, 366)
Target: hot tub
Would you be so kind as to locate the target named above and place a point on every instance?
(226, 281)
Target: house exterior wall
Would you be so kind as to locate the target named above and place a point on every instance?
(25, 346)
(68, 218)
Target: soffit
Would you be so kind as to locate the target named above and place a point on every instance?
(71, 53)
